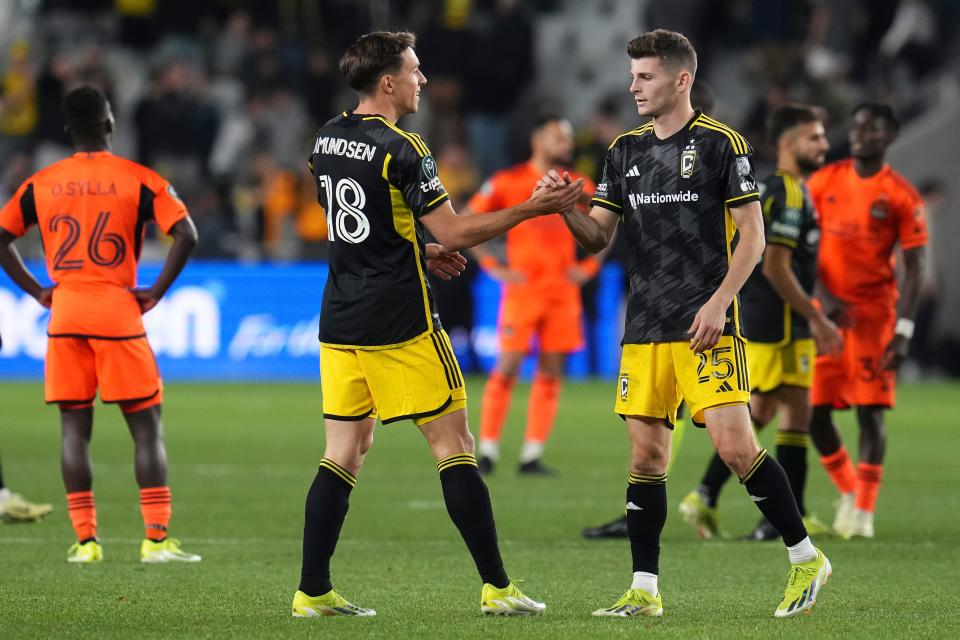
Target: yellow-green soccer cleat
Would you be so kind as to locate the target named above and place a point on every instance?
(86, 553)
(16, 509)
(635, 602)
(329, 604)
(698, 515)
(816, 527)
(509, 601)
(804, 581)
(165, 551)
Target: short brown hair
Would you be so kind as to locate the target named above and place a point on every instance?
(790, 115)
(373, 55)
(673, 49)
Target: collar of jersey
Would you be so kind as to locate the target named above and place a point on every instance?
(92, 154)
(684, 130)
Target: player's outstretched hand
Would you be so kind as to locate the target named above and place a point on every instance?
(444, 264)
(146, 298)
(826, 335)
(555, 193)
(707, 326)
(45, 297)
(895, 353)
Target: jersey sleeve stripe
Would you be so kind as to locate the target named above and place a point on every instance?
(436, 200)
(606, 202)
(733, 141)
(787, 242)
(386, 165)
(747, 195)
(426, 150)
(743, 141)
(28, 207)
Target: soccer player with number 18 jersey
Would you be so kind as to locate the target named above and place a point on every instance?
(91, 210)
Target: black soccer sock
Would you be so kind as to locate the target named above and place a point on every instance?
(792, 456)
(468, 503)
(327, 504)
(769, 489)
(646, 514)
(713, 480)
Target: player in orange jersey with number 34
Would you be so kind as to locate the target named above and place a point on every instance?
(91, 209)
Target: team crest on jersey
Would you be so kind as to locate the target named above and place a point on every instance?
(428, 169)
(688, 159)
(624, 386)
(878, 210)
(743, 165)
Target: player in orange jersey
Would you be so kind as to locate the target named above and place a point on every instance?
(866, 209)
(91, 209)
(541, 297)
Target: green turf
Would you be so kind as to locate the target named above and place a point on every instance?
(242, 458)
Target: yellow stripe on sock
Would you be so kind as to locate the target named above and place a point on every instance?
(456, 460)
(640, 478)
(756, 464)
(793, 439)
(342, 473)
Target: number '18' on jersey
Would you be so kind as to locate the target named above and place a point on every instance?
(375, 181)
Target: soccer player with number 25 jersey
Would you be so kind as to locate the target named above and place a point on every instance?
(682, 185)
(91, 210)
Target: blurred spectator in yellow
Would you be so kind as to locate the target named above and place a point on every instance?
(19, 111)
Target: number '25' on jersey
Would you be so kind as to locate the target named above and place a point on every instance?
(674, 198)
(375, 181)
(91, 210)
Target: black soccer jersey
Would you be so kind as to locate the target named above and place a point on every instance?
(374, 181)
(673, 196)
(790, 220)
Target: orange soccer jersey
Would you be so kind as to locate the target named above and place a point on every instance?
(91, 210)
(543, 250)
(861, 221)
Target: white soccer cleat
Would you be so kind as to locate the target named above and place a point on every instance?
(165, 551)
(843, 521)
(509, 601)
(861, 525)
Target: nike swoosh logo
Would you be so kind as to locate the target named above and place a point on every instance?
(633, 507)
(758, 498)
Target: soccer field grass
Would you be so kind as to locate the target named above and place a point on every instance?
(242, 458)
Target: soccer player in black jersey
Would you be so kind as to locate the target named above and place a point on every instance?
(383, 352)
(784, 327)
(683, 184)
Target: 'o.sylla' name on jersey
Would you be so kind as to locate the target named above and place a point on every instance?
(790, 220)
(674, 198)
(375, 181)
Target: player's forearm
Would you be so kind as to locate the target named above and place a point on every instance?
(184, 242)
(587, 231)
(913, 260)
(13, 266)
(784, 281)
(469, 231)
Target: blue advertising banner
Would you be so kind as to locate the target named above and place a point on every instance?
(228, 321)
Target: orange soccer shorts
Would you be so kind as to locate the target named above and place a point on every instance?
(854, 377)
(558, 324)
(124, 370)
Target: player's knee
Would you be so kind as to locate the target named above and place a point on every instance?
(737, 456)
(649, 458)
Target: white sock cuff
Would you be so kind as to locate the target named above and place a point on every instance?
(489, 449)
(646, 581)
(803, 551)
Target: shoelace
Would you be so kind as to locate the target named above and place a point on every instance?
(798, 575)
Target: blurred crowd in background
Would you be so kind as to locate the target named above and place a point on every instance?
(222, 97)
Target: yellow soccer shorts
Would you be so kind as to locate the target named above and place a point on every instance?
(420, 381)
(655, 377)
(774, 364)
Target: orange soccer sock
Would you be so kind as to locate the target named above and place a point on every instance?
(869, 478)
(840, 470)
(156, 507)
(544, 399)
(83, 514)
(496, 404)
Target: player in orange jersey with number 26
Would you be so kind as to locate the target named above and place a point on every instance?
(91, 209)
